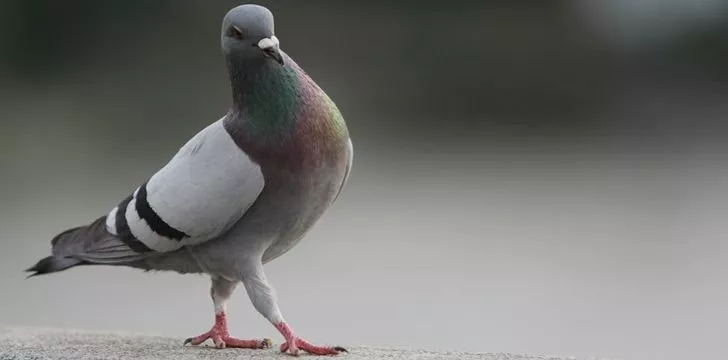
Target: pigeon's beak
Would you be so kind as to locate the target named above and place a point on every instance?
(270, 47)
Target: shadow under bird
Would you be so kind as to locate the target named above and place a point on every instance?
(240, 193)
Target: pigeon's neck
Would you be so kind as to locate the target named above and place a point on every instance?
(280, 113)
(266, 95)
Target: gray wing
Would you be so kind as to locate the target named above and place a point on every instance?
(204, 190)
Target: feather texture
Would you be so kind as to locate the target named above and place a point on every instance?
(204, 189)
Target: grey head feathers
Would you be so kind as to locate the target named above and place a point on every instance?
(248, 35)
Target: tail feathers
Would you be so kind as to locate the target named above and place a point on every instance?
(64, 235)
(83, 245)
(64, 245)
(79, 239)
(53, 264)
(66, 248)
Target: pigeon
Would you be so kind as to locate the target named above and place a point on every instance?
(240, 193)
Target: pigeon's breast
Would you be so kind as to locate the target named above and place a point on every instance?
(300, 201)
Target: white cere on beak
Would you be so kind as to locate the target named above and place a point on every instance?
(270, 42)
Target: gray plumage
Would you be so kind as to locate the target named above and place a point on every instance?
(231, 199)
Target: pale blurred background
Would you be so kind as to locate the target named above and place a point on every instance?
(541, 177)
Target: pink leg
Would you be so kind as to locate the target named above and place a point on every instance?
(262, 296)
(220, 292)
(221, 337)
(294, 343)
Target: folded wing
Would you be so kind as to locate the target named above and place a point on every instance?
(204, 190)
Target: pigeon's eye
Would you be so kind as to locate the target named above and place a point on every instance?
(235, 33)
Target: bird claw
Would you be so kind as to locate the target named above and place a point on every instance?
(222, 342)
(300, 344)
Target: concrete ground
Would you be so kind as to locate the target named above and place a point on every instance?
(54, 344)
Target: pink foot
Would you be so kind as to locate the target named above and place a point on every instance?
(293, 344)
(221, 337)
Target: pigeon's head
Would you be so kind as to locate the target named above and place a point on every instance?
(247, 34)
